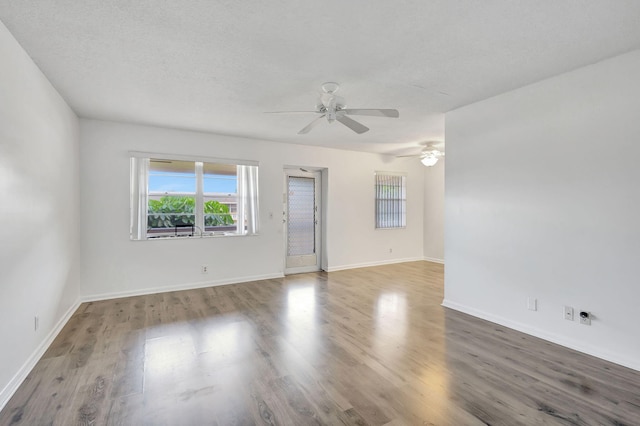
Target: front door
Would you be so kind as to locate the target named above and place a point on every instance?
(302, 221)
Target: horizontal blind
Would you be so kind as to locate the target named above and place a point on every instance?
(390, 200)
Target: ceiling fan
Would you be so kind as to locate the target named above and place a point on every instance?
(429, 155)
(333, 108)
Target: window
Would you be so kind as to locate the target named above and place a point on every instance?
(178, 197)
(391, 200)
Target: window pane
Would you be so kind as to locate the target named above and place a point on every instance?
(218, 211)
(220, 178)
(169, 211)
(220, 184)
(172, 176)
(220, 187)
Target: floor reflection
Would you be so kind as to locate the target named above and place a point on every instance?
(301, 323)
(169, 355)
(390, 328)
(301, 307)
(391, 315)
(224, 339)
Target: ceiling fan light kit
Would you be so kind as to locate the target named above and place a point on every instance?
(429, 160)
(429, 155)
(330, 87)
(333, 108)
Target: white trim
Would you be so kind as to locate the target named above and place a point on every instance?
(179, 287)
(433, 259)
(180, 157)
(302, 269)
(542, 334)
(30, 363)
(376, 263)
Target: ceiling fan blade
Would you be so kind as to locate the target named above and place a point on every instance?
(391, 113)
(432, 152)
(352, 124)
(289, 112)
(311, 125)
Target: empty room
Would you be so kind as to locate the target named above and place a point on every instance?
(319, 213)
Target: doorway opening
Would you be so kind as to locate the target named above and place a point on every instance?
(302, 220)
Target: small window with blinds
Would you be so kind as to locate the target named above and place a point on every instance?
(391, 200)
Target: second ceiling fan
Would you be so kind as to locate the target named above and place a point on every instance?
(429, 155)
(333, 108)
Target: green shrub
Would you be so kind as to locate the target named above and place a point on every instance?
(216, 214)
(170, 211)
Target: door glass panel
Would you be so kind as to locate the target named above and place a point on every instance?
(301, 221)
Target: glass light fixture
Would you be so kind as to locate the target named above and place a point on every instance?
(429, 160)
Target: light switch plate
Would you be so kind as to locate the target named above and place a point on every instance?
(568, 313)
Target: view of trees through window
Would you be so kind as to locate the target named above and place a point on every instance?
(174, 188)
(192, 197)
(171, 211)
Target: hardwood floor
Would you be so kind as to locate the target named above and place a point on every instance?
(363, 346)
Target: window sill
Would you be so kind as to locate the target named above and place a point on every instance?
(195, 237)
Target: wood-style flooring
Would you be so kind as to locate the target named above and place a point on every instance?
(367, 346)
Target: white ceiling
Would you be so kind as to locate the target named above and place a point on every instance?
(216, 66)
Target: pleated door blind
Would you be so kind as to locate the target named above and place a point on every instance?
(391, 200)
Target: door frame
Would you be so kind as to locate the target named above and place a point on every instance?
(318, 175)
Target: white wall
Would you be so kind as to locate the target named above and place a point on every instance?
(434, 212)
(114, 265)
(543, 200)
(39, 207)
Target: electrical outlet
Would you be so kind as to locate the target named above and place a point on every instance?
(390, 250)
(205, 269)
(532, 303)
(568, 313)
(36, 323)
(585, 317)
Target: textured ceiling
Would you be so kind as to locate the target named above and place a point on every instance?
(216, 66)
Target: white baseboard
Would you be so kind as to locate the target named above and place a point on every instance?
(23, 372)
(433, 259)
(545, 335)
(376, 263)
(178, 287)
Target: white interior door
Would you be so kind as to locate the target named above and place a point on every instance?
(302, 221)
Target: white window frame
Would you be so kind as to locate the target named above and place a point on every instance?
(247, 205)
(390, 203)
